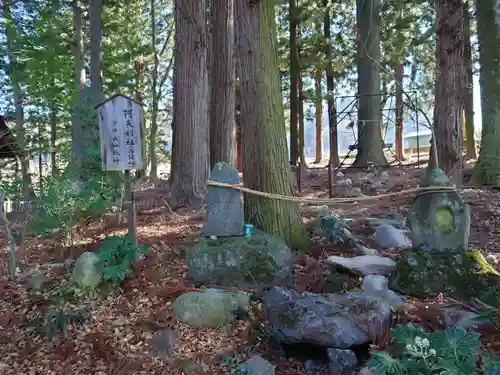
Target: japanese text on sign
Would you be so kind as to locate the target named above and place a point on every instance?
(121, 134)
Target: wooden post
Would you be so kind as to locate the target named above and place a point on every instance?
(330, 180)
(299, 176)
(130, 201)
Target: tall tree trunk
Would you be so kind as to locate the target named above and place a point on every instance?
(153, 173)
(239, 150)
(294, 82)
(302, 120)
(190, 85)
(398, 75)
(139, 77)
(77, 137)
(15, 78)
(487, 169)
(330, 86)
(470, 142)
(318, 104)
(449, 91)
(265, 161)
(370, 150)
(53, 139)
(95, 9)
(222, 114)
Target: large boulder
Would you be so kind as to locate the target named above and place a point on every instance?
(87, 271)
(328, 320)
(463, 276)
(210, 308)
(240, 261)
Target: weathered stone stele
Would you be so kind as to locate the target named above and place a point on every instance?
(224, 206)
(440, 222)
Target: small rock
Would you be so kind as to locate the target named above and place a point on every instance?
(313, 365)
(86, 271)
(389, 237)
(461, 318)
(164, 342)
(493, 258)
(377, 185)
(341, 361)
(367, 371)
(37, 281)
(120, 321)
(210, 308)
(364, 265)
(367, 251)
(345, 182)
(378, 286)
(339, 174)
(348, 192)
(256, 366)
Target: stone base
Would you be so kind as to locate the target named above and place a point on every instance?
(462, 276)
(240, 261)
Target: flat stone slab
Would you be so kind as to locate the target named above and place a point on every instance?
(363, 265)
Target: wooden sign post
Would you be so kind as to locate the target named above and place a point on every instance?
(122, 144)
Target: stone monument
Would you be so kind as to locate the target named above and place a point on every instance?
(440, 222)
(224, 206)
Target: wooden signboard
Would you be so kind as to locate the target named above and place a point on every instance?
(122, 134)
(122, 144)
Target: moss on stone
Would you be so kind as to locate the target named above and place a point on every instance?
(462, 276)
(261, 258)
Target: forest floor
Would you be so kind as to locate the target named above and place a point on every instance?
(117, 336)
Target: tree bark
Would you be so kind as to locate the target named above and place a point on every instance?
(470, 142)
(294, 83)
(153, 172)
(53, 139)
(77, 136)
(330, 87)
(265, 160)
(487, 169)
(223, 96)
(318, 104)
(15, 78)
(399, 113)
(191, 97)
(449, 89)
(95, 9)
(302, 129)
(370, 149)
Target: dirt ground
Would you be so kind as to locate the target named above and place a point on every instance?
(117, 337)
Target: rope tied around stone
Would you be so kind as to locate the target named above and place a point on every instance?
(329, 201)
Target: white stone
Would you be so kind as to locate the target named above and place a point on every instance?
(389, 237)
(364, 265)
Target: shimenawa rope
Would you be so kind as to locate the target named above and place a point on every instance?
(420, 190)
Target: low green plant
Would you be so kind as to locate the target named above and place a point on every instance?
(450, 352)
(118, 255)
(56, 323)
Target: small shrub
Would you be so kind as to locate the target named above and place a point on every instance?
(56, 323)
(118, 255)
(450, 352)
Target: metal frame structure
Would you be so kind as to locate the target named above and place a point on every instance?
(351, 108)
